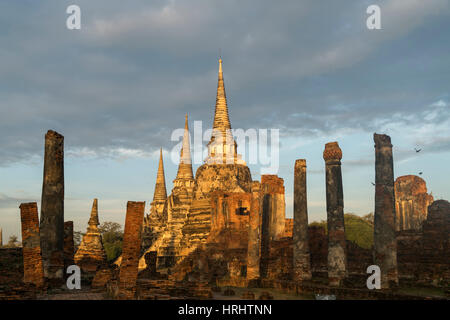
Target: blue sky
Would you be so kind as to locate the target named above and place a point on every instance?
(117, 88)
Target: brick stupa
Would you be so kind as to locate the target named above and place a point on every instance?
(90, 253)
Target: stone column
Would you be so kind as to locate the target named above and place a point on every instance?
(337, 252)
(385, 244)
(131, 250)
(274, 205)
(52, 207)
(68, 244)
(254, 234)
(32, 261)
(302, 264)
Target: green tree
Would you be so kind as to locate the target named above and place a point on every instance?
(112, 237)
(357, 229)
(77, 237)
(13, 241)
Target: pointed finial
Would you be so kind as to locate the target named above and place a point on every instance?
(160, 186)
(93, 221)
(185, 165)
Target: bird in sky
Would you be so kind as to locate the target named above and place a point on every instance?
(417, 150)
(373, 183)
(420, 173)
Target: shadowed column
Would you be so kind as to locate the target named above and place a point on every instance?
(68, 244)
(254, 233)
(32, 261)
(52, 208)
(385, 244)
(131, 250)
(302, 265)
(337, 252)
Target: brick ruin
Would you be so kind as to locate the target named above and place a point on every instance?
(31, 247)
(337, 249)
(69, 247)
(91, 254)
(227, 229)
(385, 242)
(52, 208)
(221, 228)
(411, 202)
(131, 249)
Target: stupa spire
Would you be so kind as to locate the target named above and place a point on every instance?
(160, 186)
(222, 148)
(221, 118)
(93, 221)
(185, 166)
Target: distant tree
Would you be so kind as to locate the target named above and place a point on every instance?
(13, 241)
(112, 237)
(77, 237)
(369, 217)
(357, 229)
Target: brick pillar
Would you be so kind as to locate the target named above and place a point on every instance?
(385, 244)
(273, 206)
(254, 234)
(131, 249)
(52, 208)
(337, 252)
(68, 244)
(32, 260)
(302, 263)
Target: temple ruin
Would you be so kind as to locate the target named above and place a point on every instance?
(220, 228)
(91, 254)
(411, 202)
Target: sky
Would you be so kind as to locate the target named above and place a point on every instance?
(118, 87)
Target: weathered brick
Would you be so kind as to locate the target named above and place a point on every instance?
(385, 244)
(52, 208)
(337, 250)
(302, 265)
(131, 249)
(32, 260)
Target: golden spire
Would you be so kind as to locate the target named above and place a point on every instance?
(93, 221)
(185, 166)
(160, 186)
(221, 118)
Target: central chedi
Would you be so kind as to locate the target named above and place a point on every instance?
(223, 170)
(180, 223)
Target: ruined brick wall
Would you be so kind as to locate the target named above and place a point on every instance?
(32, 260)
(131, 249)
(318, 248)
(409, 251)
(278, 265)
(411, 202)
(230, 212)
(436, 243)
(68, 244)
(288, 227)
(423, 254)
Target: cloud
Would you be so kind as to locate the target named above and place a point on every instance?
(120, 85)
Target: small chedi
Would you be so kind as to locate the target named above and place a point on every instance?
(91, 254)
